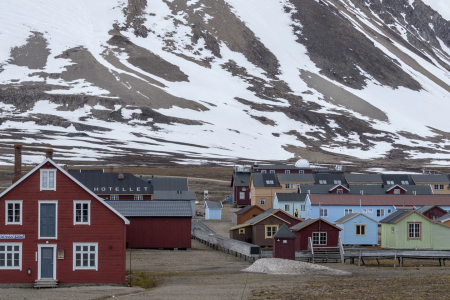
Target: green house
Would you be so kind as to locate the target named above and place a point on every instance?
(409, 229)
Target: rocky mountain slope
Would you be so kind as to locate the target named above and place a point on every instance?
(225, 80)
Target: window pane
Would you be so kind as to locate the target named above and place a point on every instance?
(44, 179)
(85, 260)
(51, 179)
(85, 248)
(9, 248)
(16, 248)
(2, 248)
(9, 259)
(363, 230)
(92, 262)
(93, 248)
(78, 248)
(78, 259)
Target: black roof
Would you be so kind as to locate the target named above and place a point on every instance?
(395, 216)
(329, 178)
(291, 197)
(399, 179)
(109, 183)
(152, 208)
(284, 232)
(366, 189)
(168, 183)
(174, 195)
(242, 179)
(355, 177)
(265, 180)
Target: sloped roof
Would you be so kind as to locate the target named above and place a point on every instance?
(367, 189)
(277, 167)
(109, 183)
(242, 179)
(265, 180)
(397, 178)
(153, 208)
(261, 216)
(290, 197)
(426, 208)
(330, 178)
(296, 177)
(350, 177)
(444, 218)
(350, 216)
(48, 160)
(426, 178)
(174, 195)
(284, 232)
(247, 208)
(396, 200)
(213, 204)
(308, 222)
(168, 183)
(397, 216)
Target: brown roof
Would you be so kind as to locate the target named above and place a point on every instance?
(398, 200)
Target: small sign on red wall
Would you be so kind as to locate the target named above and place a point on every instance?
(12, 236)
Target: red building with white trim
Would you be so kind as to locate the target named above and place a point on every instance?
(55, 230)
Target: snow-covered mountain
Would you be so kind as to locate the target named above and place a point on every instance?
(215, 80)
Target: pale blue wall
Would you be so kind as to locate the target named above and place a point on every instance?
(292, 206)
(348, 234)
(213, 213)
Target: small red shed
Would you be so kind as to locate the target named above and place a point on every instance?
(284, 243)
(322, 233)
(432, 212)
(58, 231)
(157, 224)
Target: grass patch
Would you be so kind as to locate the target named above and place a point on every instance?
(140, 279)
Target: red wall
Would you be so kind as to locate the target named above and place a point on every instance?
(334, 191)
(402, 191)
(301, 241)
(159, 233)
(292, 221)
(434, 212)
(106, 228)
(241, 202)
(278, 171)
(284, 250)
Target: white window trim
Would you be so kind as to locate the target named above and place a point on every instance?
(74, 256)
(6, 211)
(56, 219)
(138, 196)
(287, 171)
(40, 179)
(324, 212)
(262, 201)
(380, 210)
(241, 195)
(75, 202)
(348, 211)
(20, 256)
(111, 197)
(320, 232)
(287, 207)
(40, 257)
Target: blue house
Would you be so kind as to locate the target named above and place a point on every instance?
(213, 210)
(292, 203)
(358, 229)
(332, 207)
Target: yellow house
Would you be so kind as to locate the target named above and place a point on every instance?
(440, 184)
(262, 189)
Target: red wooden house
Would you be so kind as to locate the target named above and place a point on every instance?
(432, 212)
(56, 230)
(322, 233)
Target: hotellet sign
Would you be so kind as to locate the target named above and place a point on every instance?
(120, 189)
(12, 236)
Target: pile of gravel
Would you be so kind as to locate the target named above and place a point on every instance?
(286, 266)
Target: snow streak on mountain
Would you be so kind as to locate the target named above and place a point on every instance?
(221, 80)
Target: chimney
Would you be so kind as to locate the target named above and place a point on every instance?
(120, 177)
(49, 153)
(66, 168)
(17, 162)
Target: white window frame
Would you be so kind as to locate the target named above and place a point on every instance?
(241, 195)
(138, 197)
(269, 181)
(89, 252)
(6, 212)
(5, 252)
(364, 210)
(323, 212)
(337, 182)
(48, 171)
(301, 171)
(396, 191)
(40, 257)
(405, 182)
(390, 182)
(75, 202)
(263, 171)
(272, 171)
(113, 197)
(438, 186)
(319, 235)
(340, 191)
(56, 219)
(389, 211)
(302, 207)
(289, 186)
(322, 182)
(287, 171)
(370, 210)
(286, 207)
(262, 201)
(380, 212)
(348, 211)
